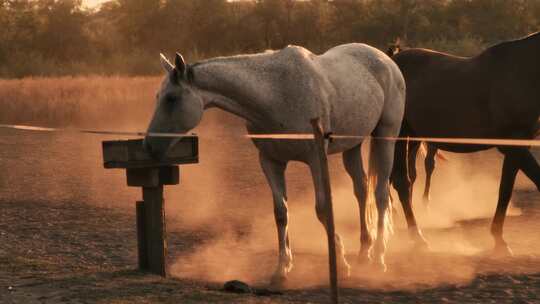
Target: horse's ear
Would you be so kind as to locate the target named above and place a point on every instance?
(398, 44)
(180, 64)
(165, 63)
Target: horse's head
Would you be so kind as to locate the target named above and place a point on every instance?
(394, 48)
(179, 107)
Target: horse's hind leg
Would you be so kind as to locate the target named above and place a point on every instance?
(400, 181)
(382, 157)
(411, 160)
(275, 174)
(514, 159)
(508, 177)
(352, 160)
(412, 153)
(529, 166)
(430, 167)
(320, 207)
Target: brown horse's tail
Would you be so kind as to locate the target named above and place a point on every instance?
(439, 155)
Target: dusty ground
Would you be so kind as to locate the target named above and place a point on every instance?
(67, 231)
(75, 253)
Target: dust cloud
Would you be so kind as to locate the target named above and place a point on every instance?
(464, 197)
(226, 196)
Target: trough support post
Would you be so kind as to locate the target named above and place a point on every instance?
(149, 174)
(141, 236)
(320, 142)
(153, 248)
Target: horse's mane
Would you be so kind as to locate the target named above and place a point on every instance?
(429, 52)
(439, 53)
(234, 58)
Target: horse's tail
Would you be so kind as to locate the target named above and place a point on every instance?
(423, 149)
(439, 155)
(371, 198)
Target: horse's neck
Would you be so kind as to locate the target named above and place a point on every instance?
(235, 85)
(518, 51)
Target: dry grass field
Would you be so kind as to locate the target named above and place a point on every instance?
(77, 101)
(67, 227)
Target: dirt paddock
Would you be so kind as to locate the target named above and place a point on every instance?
(67, 231)
(75, 253)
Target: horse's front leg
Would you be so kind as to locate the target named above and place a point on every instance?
(344, 269)
(275, 174)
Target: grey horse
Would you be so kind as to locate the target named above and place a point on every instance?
(354, 89)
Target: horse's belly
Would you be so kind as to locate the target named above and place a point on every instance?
(300, 150)
(462, 148)
(285, 149)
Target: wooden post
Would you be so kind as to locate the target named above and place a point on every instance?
(141, 236)
(154, 231)
(330, 229)
(151, 175)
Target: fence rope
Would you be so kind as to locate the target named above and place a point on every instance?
(283, 136)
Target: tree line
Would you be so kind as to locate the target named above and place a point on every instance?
(63, 37)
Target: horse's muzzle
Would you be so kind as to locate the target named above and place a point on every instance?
(156, 147)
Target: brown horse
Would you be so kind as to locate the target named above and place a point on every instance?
(495, 94)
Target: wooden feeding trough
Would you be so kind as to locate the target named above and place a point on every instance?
(151, 175)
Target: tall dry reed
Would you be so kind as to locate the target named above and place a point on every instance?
(78, 101)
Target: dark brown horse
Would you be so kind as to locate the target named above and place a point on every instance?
(495, 94)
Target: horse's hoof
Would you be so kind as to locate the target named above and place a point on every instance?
(379, 267)
(420, 243)
(421, 246)
(502, 251)
(344, 271)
